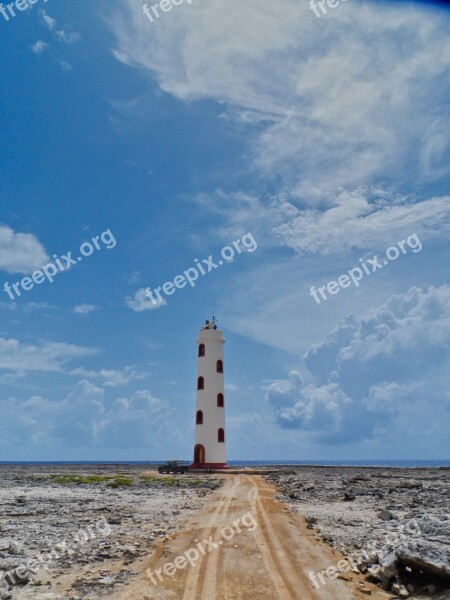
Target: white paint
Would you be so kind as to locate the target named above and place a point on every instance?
(213, 416)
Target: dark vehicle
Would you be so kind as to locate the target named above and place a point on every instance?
(174, 466)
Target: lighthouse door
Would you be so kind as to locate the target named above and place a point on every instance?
(199, 454)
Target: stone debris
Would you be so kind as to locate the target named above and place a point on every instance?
(393, 522)
(90, 534)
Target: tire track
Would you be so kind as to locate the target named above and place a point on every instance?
(193, 575)
(225, 586)
(282, 556)
(271, 561)
(278, 582)
(209, 586)
(210, 583)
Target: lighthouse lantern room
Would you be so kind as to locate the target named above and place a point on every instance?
(210, 433)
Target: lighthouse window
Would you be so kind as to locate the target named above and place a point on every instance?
(201, 383)
(219, 366)
(220, 402)
(199, 419)
(201, 350)
(221, 436)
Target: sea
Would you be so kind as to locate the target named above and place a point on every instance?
(417, 464)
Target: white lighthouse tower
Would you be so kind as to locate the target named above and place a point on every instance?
(210, 434)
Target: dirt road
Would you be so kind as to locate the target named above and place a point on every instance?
(243, 545)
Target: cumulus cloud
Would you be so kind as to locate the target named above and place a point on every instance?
(84, 309)
(45, 356)
(47, 20)
(111, 377)
(65, 66)
(26, 307)
(371, 369)
(310, 408)
(39, 47)
(140, 302)
(138, 421)
(86, 417)
(68, 37)
(20, 252)
(41, 421)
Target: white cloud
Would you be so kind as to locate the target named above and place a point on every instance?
(87, 418)
(68, 37)
(363, 220)
(62, 35)
(20, 252)
(65, 66)
(140, 302)
(134, 277)
(232, 213)
(48, 21)
(84, 309)
(111, 377)
(26, 307)
(329, 105)
(39, 47)
(366, 218)
(46, 356)
(311, 408)
(373, 371)
(338, 101)
(140, 421)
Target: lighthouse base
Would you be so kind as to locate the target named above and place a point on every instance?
(201, 466)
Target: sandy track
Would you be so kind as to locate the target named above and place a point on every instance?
(268, 562)
(219, 518)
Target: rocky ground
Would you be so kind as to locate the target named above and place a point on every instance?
(77, 532)
(393, 524)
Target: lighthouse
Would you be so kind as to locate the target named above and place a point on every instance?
(210, 432)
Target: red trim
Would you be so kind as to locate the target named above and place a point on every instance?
(209, 466)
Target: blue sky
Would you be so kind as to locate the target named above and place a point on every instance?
(324, 138)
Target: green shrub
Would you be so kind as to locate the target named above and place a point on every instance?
(110, 480)
(121, 482)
